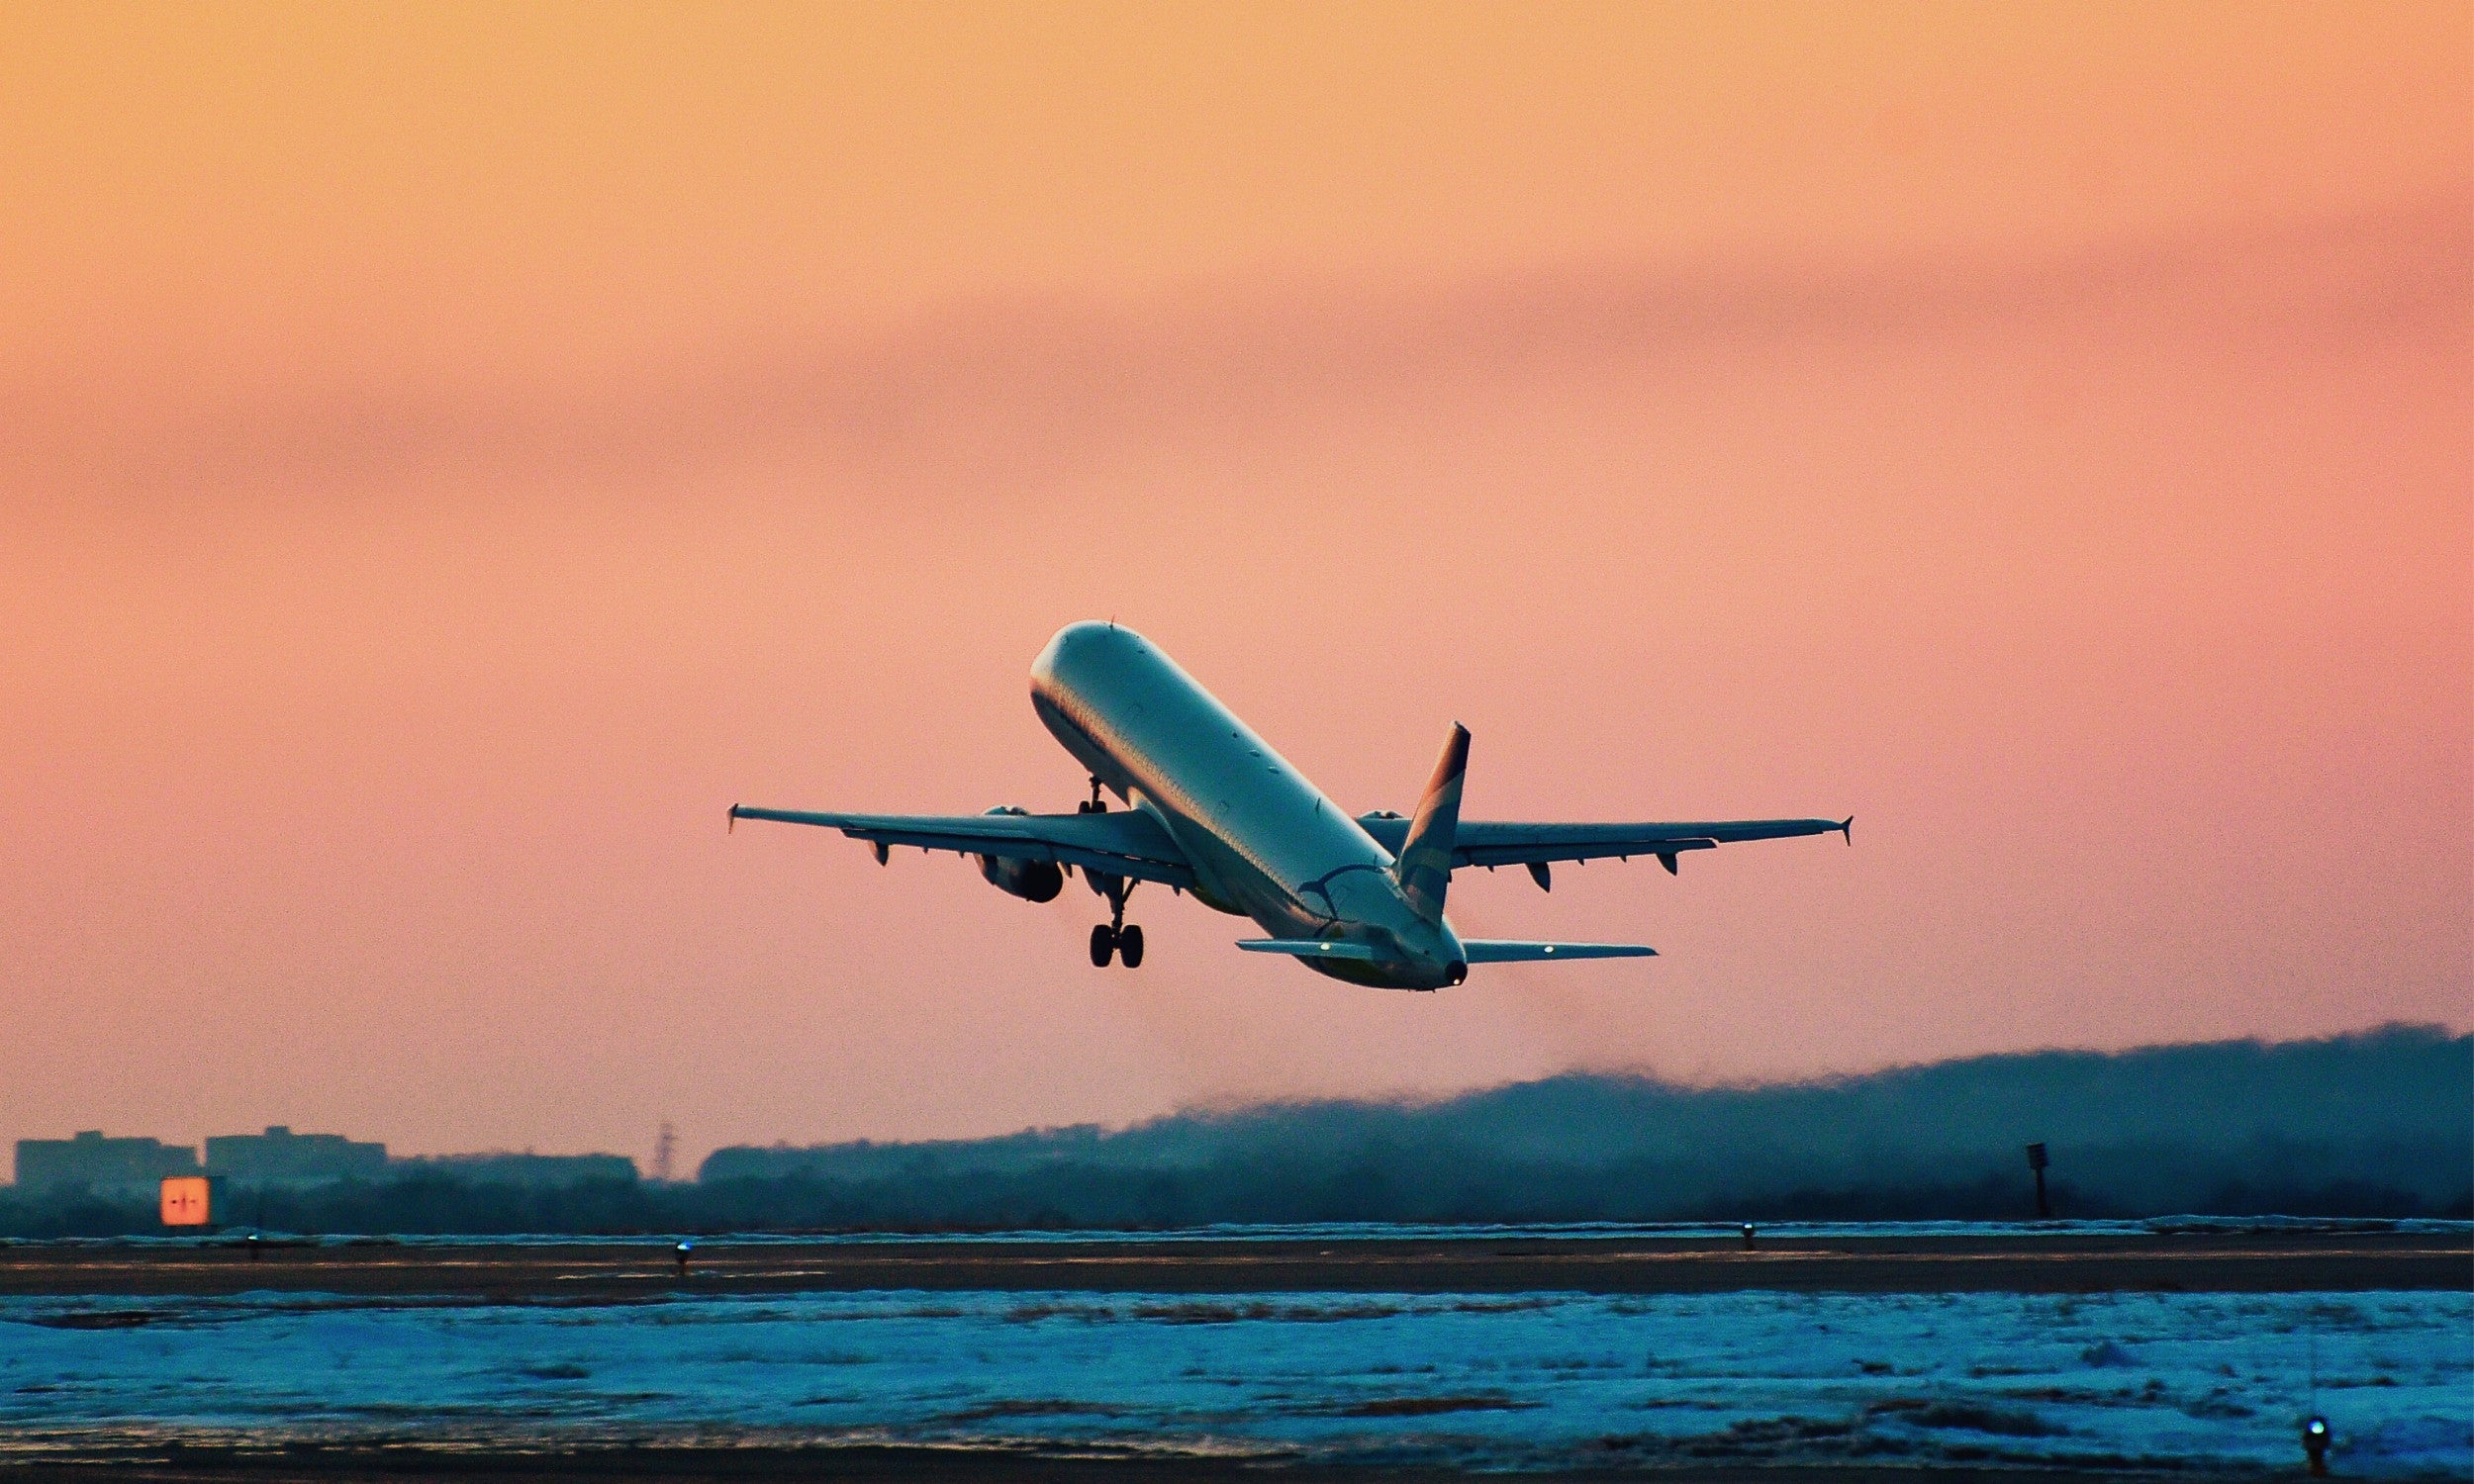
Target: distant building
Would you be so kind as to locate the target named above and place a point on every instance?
(526, 1168)
(279, 1156)
(92, 1160)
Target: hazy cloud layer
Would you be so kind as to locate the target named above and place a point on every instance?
(975, 398)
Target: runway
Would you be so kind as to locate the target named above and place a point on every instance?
(1896, 1357)
(2027, 1261)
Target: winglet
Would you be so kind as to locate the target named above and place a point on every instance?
(732, 827)
(1846, 827)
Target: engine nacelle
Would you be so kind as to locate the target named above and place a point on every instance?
(1031, 880)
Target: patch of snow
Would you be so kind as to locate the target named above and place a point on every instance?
(1536, 1380)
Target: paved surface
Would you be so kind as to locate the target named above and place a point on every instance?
(616, 1271)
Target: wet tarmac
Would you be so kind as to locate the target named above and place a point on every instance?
(614, 1270)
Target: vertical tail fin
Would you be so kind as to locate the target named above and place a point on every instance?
(1424, 869)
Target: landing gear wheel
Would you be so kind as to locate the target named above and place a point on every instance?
(1130, 946)
(1104, 946)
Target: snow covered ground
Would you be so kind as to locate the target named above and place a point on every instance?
(1491, 1380)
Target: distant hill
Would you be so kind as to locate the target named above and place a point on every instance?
(2379, 1123)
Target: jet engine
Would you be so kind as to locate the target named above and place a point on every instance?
(1031, 880)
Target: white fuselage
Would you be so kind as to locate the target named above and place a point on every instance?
(1263, 841)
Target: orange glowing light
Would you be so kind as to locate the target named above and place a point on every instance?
(188, 1201)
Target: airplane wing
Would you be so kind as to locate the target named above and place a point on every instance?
(1128, 842)
(1480, 842)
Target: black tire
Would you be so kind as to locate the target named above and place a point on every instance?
(1130, 946)
(1102, 946)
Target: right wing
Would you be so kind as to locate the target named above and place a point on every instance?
(1484, 842)
(1128, 842)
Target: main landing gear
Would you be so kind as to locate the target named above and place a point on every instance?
(1112, 939)
(1109, 941)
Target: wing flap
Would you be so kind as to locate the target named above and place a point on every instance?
(1541, 852)
(1128, 843)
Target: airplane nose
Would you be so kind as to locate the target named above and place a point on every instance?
(1455, 971)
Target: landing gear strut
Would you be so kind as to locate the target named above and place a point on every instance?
(1113, 938)
(1094, 805)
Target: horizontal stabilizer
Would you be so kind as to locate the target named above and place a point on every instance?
(1308, 948)
(1520, 950)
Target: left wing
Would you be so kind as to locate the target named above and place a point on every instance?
(1482, 842)
(1128, 843)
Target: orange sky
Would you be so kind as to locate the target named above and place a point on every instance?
(446, 457)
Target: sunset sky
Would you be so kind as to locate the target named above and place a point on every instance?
(449, 454)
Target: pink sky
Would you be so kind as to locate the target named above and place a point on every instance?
(444, 462)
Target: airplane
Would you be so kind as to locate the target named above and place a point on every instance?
(1216, 813)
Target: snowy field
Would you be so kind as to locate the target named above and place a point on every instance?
(2210, 1381)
